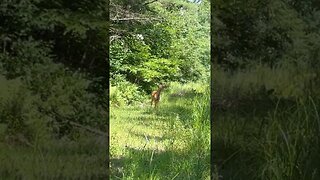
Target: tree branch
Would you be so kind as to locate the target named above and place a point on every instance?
(71, 122)
(90, 129)
(150, 2)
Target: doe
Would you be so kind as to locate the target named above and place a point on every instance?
(155, 95)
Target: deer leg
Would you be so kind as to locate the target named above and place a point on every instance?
(155, 104)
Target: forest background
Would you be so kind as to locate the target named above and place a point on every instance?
(53, 64)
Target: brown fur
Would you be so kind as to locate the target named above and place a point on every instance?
(155, 95)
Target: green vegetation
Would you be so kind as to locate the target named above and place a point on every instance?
(53, 91)
(266, 90)
(163, 42)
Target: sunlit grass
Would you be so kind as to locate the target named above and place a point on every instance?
(148, 143)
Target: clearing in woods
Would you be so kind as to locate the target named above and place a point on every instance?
(158, 143)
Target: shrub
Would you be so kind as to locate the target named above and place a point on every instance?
(123, 92)
(63, 97)
(15, 103)
(115, 97)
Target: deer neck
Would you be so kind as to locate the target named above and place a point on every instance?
(159, 90)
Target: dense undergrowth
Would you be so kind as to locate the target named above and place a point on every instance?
(266, 89)
(52, 90)
(266, 124)
(44, 123)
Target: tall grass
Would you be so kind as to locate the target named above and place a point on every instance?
(290, 149)
(273, 136)
(288, 81)
(172, 142)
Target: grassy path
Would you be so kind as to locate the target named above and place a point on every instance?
(134, 128)
(154, 144)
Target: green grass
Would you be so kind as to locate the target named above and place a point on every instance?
(272, 136)
(171, 142)
(282, 144)
(55, 160)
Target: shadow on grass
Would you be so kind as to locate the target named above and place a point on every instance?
(256, 107)
(170, 162)
(143, 136)
(175, 112)
(54, 160)
(237, 135)
(116, 167)
(234, 161)
(147, 164)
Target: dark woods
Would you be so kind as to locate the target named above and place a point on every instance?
(266, 32)
(265, 58)
(53, 73)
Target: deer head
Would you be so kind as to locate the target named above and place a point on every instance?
(162, 86)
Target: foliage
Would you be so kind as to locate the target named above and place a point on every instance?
(170, 48)
(14, 110)
(262, 31)
(31, 30)
(53, 88)
(265, 86)
(123, 92)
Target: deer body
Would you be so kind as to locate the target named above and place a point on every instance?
(155, 95)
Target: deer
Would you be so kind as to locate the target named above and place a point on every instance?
(155, 95)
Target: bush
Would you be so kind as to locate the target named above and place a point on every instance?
(62, 97)
(22, 56)
(115, 97)
(15, 103)
(123, 92)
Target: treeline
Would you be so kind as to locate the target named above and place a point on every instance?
(265, 48)
(269, 32)
(154, 42)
